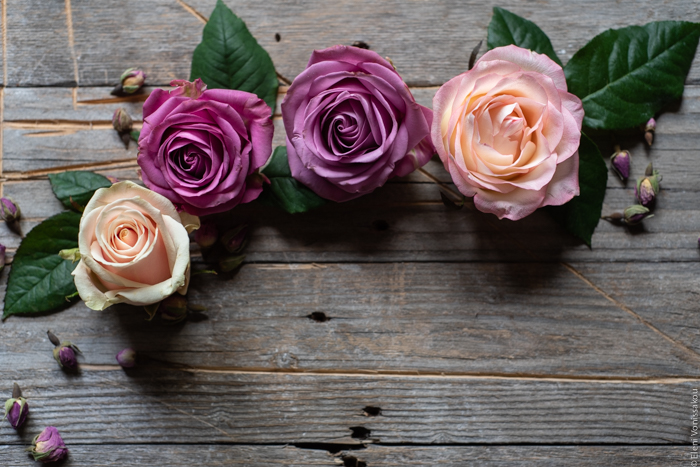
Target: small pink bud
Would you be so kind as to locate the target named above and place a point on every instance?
(621, 162)
(48, 446)
(648, 187)
(127, 358)
(636, 213)
(235, 239)
(174, 308)
(649, 130)
(206, 235)
(121, 121)
(16, 408)
(188, 89)
(65, 353)
(132, 80)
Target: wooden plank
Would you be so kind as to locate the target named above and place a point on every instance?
(526, 456)
(429, 43)
(152, 405)
(475, 319)
(38, 45)
(403, 221)
(175, 455)
(139, 455)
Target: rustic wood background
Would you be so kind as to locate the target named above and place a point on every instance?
(450, 338)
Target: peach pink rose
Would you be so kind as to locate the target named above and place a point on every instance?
(508, 132)
(134, 248)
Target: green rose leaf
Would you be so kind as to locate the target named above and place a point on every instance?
(229, 57)
(74, 189)
(507, 28)
(580, 216)
(624, 76)
(284, 191)
(40, 280)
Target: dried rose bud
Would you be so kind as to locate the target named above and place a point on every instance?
(235, 239)
(9, 211)
(65, 353)
(48, 446)
(127, 358)
(16, 408)
(174, 308)
(206, 235)
(121, 121)
(636, 213)
(230, 263)
(621, 162)
(649, 130)
(648, 187)
(132, 80)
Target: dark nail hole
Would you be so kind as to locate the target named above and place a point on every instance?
(349, 461)
(372, 411)
(361, 44)
(360, 432)
(278, 37)
(380, 225)
(318, 316)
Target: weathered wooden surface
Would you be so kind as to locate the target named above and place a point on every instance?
(177, 455)
(473, 336)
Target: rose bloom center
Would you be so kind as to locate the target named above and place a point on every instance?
(127, 235)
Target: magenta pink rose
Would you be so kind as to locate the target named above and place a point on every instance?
(508, 132)
(352, 124)
(201, 148)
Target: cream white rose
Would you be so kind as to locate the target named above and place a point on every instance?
(134, 248)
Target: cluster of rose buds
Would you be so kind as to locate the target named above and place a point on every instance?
(230, 245)
(645, 192)
(131, 81)
(47, 446)
(65, 353)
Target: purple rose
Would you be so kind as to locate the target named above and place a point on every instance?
(201, 148)
(352, 124)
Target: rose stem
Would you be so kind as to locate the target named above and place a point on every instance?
(447, 190)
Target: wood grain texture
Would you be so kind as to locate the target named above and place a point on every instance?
(150, 405)
(476, 319)
(477, 343)
(176, 455)
(527, 456)
(428, 42)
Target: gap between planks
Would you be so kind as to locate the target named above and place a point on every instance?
(407, 374)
